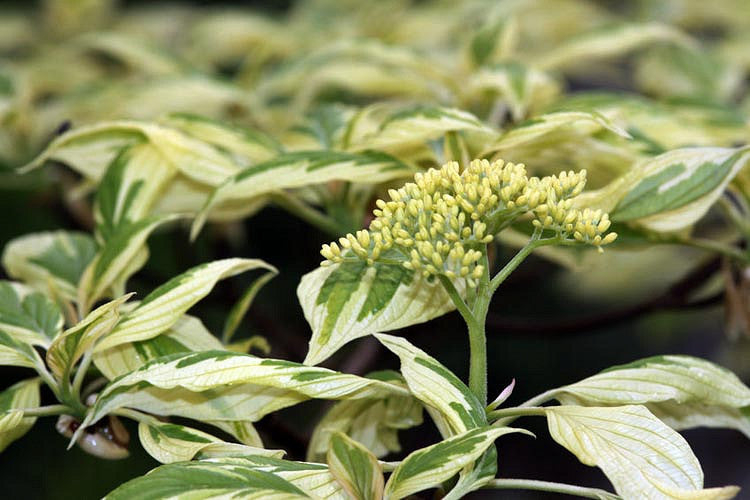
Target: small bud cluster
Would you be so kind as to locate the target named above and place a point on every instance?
(440, 223)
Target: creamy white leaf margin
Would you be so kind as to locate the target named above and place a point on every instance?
(414, 302)
(639, 454)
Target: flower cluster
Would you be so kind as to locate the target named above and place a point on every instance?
(440, 223)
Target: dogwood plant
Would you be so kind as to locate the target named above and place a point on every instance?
(425, 253)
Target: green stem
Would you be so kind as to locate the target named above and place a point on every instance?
(524, 252)
(518, 411)
(307, 213)
(45, 411)
(549, 486)
(474, 318)
(535, 402)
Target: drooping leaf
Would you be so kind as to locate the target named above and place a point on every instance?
(222, 385)
(541, 127)
(13, 424)
(671, 191)
(247, 145)
(17, 353)
(302, 168)
(164, 306)
(346, 301)
(374, 422)
(682, 390)
(169, 443)
(640, 455)
(52, 262)
(91, 149)
(355, 468)
(428, 467)
(609, 41)
(28, 316)
(202, 480)
(422, 124)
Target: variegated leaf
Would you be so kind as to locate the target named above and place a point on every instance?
(90, 149)
(302, 168)
(245, 144)
(671, 191)
(313, 478)
(346, 301)
(681, 390)
(186, 335)
(523, 89)
(445, 396)
(163, 307)
(203, 480)
(121, 256)
(608, 42)
(355, 468)
(133, 182)
(428, 467)
(494, 41)
(68, 347)
(18, 353)
(222, 385)
(13, 424)
(28, 316)
(374, 422)
(169, 443)
(640, 455)
(538, 128)
(52, 262)
(422, 124)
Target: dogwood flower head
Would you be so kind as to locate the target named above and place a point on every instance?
(441, 222)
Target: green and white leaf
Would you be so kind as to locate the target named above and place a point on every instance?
(428, 467)
(169, 443)
(132, 184)
(609, 41)
(28, 316)
(681, 390)
(523, 89)
(639, 454)
(203, 480)
(222, 385)
(68, 347)
(245, 144)
(422, 124)
(124, 253)
(671, 191)
(187, 335)
(539, 128)
(90, 149)
(355, 468)
(17, 397)
(346, 301)
(17, 353)
(52, 262)
(314, 479)
(374, 422)
(164, 306)
(452, 405)
(303, 168)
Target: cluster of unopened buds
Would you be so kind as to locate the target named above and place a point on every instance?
(440, 223)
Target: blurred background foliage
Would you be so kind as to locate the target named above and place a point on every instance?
(66, 63)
